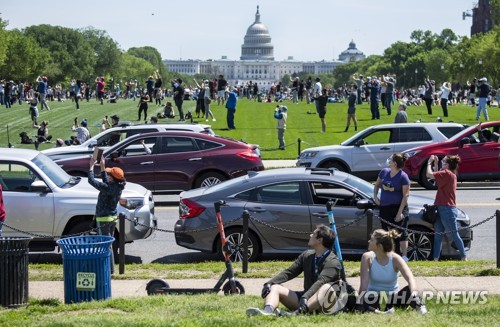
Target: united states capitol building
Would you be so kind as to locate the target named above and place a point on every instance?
(257, 62)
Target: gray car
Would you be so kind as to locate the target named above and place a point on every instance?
(286, 204)
(365, 153)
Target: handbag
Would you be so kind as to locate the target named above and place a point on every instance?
(430, 213)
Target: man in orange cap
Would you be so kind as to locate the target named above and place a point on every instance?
(110, 190)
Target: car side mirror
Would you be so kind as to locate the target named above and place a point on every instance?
(359, 142)
(464, 141)
(39, 186)
(364, 204)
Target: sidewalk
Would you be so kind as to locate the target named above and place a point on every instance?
(253, 286)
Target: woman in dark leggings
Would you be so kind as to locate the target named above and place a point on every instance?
(143, 106)
(429, 94)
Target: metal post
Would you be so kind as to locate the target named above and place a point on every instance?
(498, 238)
(121, 244)
(246, 216)
(369, 223)
(298, 146)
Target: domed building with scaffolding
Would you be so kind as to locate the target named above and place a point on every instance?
(257, 62)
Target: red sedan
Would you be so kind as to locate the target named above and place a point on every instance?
(175, 161)
(479, 155)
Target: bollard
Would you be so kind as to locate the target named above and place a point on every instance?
(369, 223)
(299, 141)
(246, 216)
(121, 244)
(498, 238)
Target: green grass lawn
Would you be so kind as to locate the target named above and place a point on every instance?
(216, 310)
(254, 121)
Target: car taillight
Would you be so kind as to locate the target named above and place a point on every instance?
(249, 155)
(189, 209)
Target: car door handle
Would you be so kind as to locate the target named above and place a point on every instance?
(147, 163)
(385, 148)
(257, 209)
(194, 159)
(320, 214)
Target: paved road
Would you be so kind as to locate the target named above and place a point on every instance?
(478, 202)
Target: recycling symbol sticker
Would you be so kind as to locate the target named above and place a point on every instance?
(85, 281)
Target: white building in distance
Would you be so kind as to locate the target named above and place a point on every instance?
(257, 62)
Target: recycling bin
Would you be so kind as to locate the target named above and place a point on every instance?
(86, 267)
(14, 259)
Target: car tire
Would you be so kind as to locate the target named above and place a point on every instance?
(235, 238)
(154, 286)
(239, 288)
(335, 165)
(420, 245)
(209, 179)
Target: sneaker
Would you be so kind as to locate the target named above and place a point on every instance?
(213, 119)
(405, 258)
(421, 309)
(206, 119)
(386, 312)
(258, 312)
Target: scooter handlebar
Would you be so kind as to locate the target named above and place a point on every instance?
(219, 204)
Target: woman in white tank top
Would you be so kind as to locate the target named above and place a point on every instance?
(380, 268)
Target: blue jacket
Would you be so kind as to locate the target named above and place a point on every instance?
(232, 100)
(109, 195)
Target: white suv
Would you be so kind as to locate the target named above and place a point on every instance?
(365, 153)
(111, 136)
(41, 198)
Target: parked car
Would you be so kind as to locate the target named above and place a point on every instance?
(177, 160)
(286, 204)
(113, 135)
(365, 153)
(479, 160)
(41, 198)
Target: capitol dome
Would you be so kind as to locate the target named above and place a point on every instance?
(351, 54)
(257, 42)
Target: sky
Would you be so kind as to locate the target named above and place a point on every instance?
(306, 30)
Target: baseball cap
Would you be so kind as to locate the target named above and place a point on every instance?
(83, 123)
(284, 108)
(116, 172)
(115, 117)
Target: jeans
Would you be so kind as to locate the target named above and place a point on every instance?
(428, 104)
(481, 107)
(6, 101)
(444, 105)
(1, 224)
(230, 118)
(108, 229)
(388, 102)
(374, 109)
(281, 137)
(447, 221)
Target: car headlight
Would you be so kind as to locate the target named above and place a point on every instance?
(410, 153)
(308, 155)
(132, 203)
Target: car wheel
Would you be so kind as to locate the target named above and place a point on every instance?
(235, 239)
(424, 181)
(420, 245)
(239, 288)
(335, 165)
(209, 179)
(80, 228)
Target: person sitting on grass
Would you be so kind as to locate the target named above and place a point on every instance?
(380, 268)
(321, 269)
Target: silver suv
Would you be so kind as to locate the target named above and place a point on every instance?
(41, 198)
(111, 136)
(365, 153)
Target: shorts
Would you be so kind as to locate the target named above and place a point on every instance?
(322, 113)
(221, 93)
(389, 213)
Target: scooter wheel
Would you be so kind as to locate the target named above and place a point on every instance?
(155, 285)
(239, 288)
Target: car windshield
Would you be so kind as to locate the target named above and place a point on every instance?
(360, 184)
(52, 170)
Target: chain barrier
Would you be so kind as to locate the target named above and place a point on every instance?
(435, 233)
(92, 230)
(256, 220)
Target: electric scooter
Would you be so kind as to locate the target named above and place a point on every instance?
(232, 286)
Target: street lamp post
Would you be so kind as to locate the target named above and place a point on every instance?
(416, 72)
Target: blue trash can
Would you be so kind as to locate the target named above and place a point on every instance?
(86, 267)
